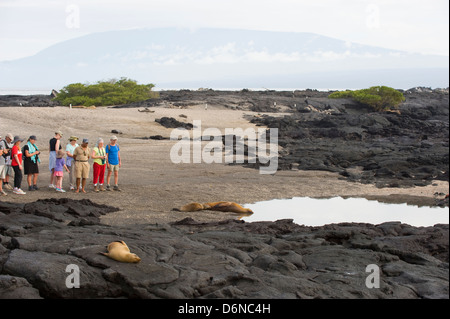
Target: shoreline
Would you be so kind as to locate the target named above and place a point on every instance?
(227, 259)
(202, 254)
(47, 91)
(152, 186)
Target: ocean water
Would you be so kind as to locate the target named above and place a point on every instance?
(254, 89)
(319, 212)
(19, 91)
(47, 91)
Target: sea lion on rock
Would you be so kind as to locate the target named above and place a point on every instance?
(192, 207)
(216, 206)
(229, 207)
(119, 251)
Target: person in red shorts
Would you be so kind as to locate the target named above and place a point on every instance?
(99, 156)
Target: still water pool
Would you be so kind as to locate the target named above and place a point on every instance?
(318, 212)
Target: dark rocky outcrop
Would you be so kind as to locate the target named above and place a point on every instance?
(404, 149)
(228, 259)
(389, 149)
(27, 100)
(170, 122)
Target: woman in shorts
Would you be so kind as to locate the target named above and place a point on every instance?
(30, 162)
(55, 145)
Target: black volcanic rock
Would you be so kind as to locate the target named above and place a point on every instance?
(337, 135)
(27, 100)
(227, 259)
(388, 149)
(170, 122)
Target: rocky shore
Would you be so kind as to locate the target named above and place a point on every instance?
(391, 149)
(212, 256)
(228, 259)
(404, 149)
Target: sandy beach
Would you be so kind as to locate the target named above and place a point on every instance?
(152, 185)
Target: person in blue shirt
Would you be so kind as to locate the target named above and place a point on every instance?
(113, 162)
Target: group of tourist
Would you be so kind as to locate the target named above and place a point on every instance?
(15, 157)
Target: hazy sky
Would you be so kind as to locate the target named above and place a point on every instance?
(28, 26)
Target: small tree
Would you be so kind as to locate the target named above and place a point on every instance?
(111, 92)
(380, 98)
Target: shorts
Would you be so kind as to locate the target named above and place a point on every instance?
(8, 171)
(113, 168)
(3, 171)
(82, 169)
(52, 160)
(58, 173)
(30, 168)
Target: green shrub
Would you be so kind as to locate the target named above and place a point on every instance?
(112, 92)
(380, 98)
(341, 94)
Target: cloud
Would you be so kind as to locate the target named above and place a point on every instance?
(221, 54)
(28, 3)
(324, 56)
(401, 25)
(229, 53)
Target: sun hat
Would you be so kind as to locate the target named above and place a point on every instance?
(59, 132)
(10, 136)
(33, 137)
(113, 138)
(73, 138)
(17, 139)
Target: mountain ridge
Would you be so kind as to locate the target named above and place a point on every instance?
(210, 56)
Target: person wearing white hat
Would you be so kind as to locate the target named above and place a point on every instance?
(70, 148)
(113, 162)
(99, 156)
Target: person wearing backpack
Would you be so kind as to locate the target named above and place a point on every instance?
(114, 162)
(16, 155)
(30, 154)
(3, 152)
(70, 163)
(7, 144)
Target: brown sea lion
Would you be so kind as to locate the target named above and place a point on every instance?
(192, 207)
(215, 206)
(119, 251)
(229, 207)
